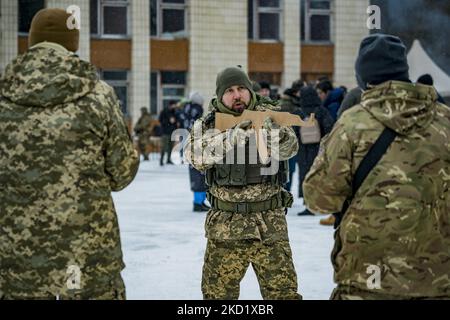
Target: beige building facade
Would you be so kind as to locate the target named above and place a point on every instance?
(155, 51)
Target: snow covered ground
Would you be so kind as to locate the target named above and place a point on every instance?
(163, 240)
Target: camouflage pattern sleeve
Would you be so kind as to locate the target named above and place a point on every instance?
(288, 144)
(121, 159)
(286, 139)
(205, 146)
(328, 183)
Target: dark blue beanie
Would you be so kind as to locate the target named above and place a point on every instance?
(381, 58)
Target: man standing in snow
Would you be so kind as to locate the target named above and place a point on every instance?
(393, 241)
(143, 131)
(247, 222)
(64, 146)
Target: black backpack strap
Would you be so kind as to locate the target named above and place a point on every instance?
(372, 157)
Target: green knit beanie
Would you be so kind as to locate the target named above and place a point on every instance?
(229, 77)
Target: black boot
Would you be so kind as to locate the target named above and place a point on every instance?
(201, 207)
(305, 212)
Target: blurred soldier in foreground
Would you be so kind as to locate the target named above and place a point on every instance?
(247, 223)
(143, 129)
(64, 148)
(393, 241)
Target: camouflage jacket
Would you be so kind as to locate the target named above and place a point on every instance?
(221, 225)
(399, 220)
(64, 147)
(144, 125)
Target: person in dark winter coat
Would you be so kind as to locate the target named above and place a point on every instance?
(310, 103)
(290, 102)
(169, 124)
(351, 99)
(193, 111)
(331, 97)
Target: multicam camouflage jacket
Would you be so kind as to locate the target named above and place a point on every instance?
(64, 147)
(223, 225)
(399, 220)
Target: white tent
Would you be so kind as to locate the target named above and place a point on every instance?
(421, 63)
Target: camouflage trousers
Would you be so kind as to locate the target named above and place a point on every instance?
(166, 147)
(143, 141)
(226, 263)
(352, 293)
(115, 290)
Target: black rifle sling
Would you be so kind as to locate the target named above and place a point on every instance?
(372, 157)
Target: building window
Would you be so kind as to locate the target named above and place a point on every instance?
(109, 17)
(173, 85)
(166, 86)
(118, 79)
(316, 20)
(168, 18)
(264, 19)
(154, 97)
(27, 10)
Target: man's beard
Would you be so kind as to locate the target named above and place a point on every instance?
(239, 106)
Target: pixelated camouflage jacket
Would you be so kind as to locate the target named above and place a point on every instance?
(399, 219)
(64, 147)
(144, 125)
(222, 225)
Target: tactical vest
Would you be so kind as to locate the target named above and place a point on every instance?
(240, 175)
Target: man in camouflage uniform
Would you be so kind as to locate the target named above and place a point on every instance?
(247, 221)
(143, 130)
(394, 239)
(64, 147)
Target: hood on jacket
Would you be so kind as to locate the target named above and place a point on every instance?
(401, 106)
(46, 76)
